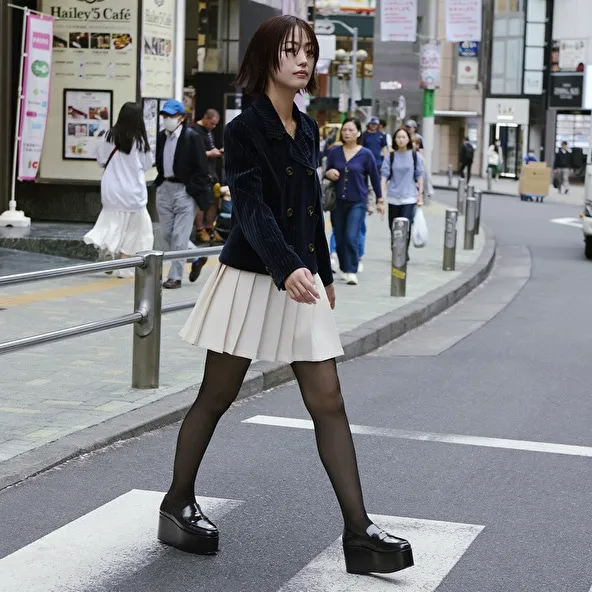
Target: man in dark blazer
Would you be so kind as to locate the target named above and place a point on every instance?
(182, 183)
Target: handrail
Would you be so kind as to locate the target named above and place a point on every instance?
(146, 317)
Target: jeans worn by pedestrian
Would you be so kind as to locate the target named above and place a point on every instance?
(176, 213)
(362, 247)
(347, 220)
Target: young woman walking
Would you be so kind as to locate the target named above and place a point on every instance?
(350, 166)
(402, 178)
(124, 227)
(271, 296)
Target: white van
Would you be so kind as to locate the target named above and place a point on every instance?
(587, 227)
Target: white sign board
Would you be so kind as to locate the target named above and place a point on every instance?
(572, 54)
(463, 20)
(398, 20)
(327, 46)
(467, 72)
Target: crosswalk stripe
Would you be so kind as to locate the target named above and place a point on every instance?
(102, 546)
(437, 547)
(568, 222)
(525, 445)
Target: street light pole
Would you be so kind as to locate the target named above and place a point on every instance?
(354, 74)
(428, 123)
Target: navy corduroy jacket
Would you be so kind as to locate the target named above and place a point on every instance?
(277, 219)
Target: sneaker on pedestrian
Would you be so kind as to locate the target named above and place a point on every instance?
(352, 279)
(360, 266)
(334, 262)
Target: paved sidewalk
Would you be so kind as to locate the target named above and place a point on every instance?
(510, 187)
(51, 391)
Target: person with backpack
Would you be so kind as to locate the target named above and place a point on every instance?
(375, 141)
(467, 153)
(123, 227)
(402, 179)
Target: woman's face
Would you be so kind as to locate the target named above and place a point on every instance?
(349, 132)
(296, 62)
(402, 139)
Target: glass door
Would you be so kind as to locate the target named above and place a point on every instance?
(511, 139)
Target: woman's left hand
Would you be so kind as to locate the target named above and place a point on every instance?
(380, 207)
(330, 289)
(420, 199)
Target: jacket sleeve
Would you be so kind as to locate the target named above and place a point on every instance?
(375, 175)
(321, 245)
(200, 178)
(253, 215)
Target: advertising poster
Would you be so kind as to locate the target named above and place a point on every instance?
(430, 59)
(463, 20)
(398, 20)
(467, 72)
(158, 34)
(95, 49)
(151, 119)
(35, 97)
(88, 115)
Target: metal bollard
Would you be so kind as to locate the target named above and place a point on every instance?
(400, 232)
(478, 196)
(470, 224)
(460, 196)
(449, 261)
(148, 300)
(450, 175)
(471, 191)
(489, 178)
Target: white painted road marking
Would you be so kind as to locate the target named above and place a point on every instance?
(103, 546)
(576, 222)
(437, 547)
(549, 448)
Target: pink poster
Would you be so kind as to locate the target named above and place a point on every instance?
(463, 20)
(35, 94)
(398, 20)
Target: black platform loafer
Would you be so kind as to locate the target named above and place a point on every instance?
(375, 552)
(188, 529)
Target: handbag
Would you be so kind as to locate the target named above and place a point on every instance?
(110, 157)
(329, 200)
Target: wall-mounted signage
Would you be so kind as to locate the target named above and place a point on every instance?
(463, 20)
(398, 20)
(566, 91)
(468, 49)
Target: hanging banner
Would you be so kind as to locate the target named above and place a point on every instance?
(430, 58)
(398, 20)
(463, 20)
(35, 94)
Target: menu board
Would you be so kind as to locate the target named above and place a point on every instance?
(151, 117)
(157, 77)
(95, 49)
(88, 115)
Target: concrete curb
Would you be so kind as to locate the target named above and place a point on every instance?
(262, 376)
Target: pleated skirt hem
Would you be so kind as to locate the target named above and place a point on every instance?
(243, 314)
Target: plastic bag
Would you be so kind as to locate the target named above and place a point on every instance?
(419, 231)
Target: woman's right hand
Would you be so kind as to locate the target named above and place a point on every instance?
(301, 287)
(332, 174)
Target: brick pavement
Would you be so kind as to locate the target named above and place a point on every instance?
(50, 391)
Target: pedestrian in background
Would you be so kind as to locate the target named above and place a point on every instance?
(351, 167)
(271, 296)
(402, 179)
(562, 165)
(123, 227)
(182, 183)
(467, 153)
(495, 159)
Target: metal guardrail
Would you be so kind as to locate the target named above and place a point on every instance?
(146, 316)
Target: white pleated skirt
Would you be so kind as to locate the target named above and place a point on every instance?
(122, 232)
(244, 314)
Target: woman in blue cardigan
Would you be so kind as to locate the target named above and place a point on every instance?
(349, 166)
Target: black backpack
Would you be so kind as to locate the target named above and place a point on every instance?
(392, 159)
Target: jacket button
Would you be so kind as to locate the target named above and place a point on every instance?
(289, 171)
(311, 248)
(289, 212)
(291, 247)
(309, 172)
(310, 210)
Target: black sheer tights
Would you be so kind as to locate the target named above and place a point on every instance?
(321, 392)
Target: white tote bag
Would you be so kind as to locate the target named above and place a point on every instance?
(419, 231)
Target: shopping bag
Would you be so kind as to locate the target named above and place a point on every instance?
(419, 231)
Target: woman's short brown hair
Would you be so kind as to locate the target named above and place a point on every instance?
(263, 53)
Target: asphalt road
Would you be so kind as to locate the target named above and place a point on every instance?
(460, 448)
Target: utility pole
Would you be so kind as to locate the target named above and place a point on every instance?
(430, 33)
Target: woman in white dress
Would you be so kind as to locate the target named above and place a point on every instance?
(270, 298)
(124, 227)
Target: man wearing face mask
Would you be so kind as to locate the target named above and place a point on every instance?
(182, 182)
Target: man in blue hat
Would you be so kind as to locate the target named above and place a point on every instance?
(183, 183)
